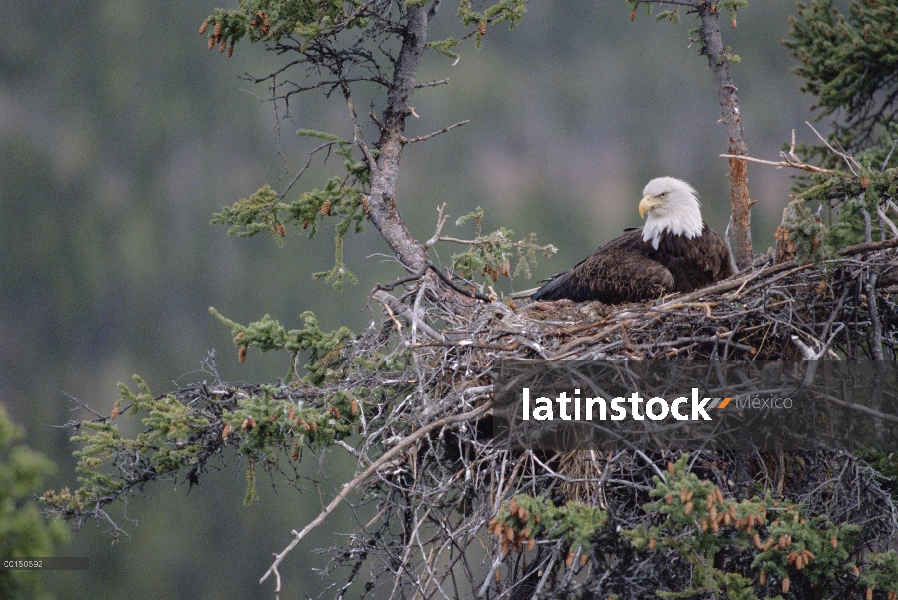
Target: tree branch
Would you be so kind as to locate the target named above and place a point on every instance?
(382, 209)
(395, 306)
(782, 163)
(421, 138)
(729, 104)
(360, 479)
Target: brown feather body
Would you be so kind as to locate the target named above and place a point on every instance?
(627, 269)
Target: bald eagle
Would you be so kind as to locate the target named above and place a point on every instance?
(674, 252)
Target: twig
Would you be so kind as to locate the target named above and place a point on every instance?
(860, 408)
(876, 341)
(357, 130)
(428, 265)
(885, 219)
(460, 241)
(782, 163)
(441, 220)
(299, 173)
(869, 247)
(807, 353)
(398, 307)
(450, 283)
(432, 83)
(421, 138)
(792, 149)
(868, 223)
(885, 163)
(359, 479)
(849, 160)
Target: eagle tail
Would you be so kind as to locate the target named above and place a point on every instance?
(554, 289)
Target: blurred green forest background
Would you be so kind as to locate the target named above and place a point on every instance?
(120, 135)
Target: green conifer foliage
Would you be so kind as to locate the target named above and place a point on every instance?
(23, 531)
(489, 255)
(850, 63)
(738, 549)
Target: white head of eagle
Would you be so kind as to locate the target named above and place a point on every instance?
(669, 205)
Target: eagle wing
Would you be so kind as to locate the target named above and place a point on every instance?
(617, 272)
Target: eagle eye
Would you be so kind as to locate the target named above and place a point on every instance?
(662, 194)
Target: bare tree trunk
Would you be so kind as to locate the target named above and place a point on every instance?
(729, 104)
(382, 209)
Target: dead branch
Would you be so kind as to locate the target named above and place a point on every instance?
(441, 220)
(422, 138)
(364, 475)
(398, 307)
(782, 163)
(442, 276)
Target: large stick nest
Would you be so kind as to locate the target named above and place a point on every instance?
(452, 482)
(834, 309)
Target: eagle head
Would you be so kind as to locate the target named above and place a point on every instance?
(669, 205)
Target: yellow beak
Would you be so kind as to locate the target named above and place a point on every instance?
(647, 204)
